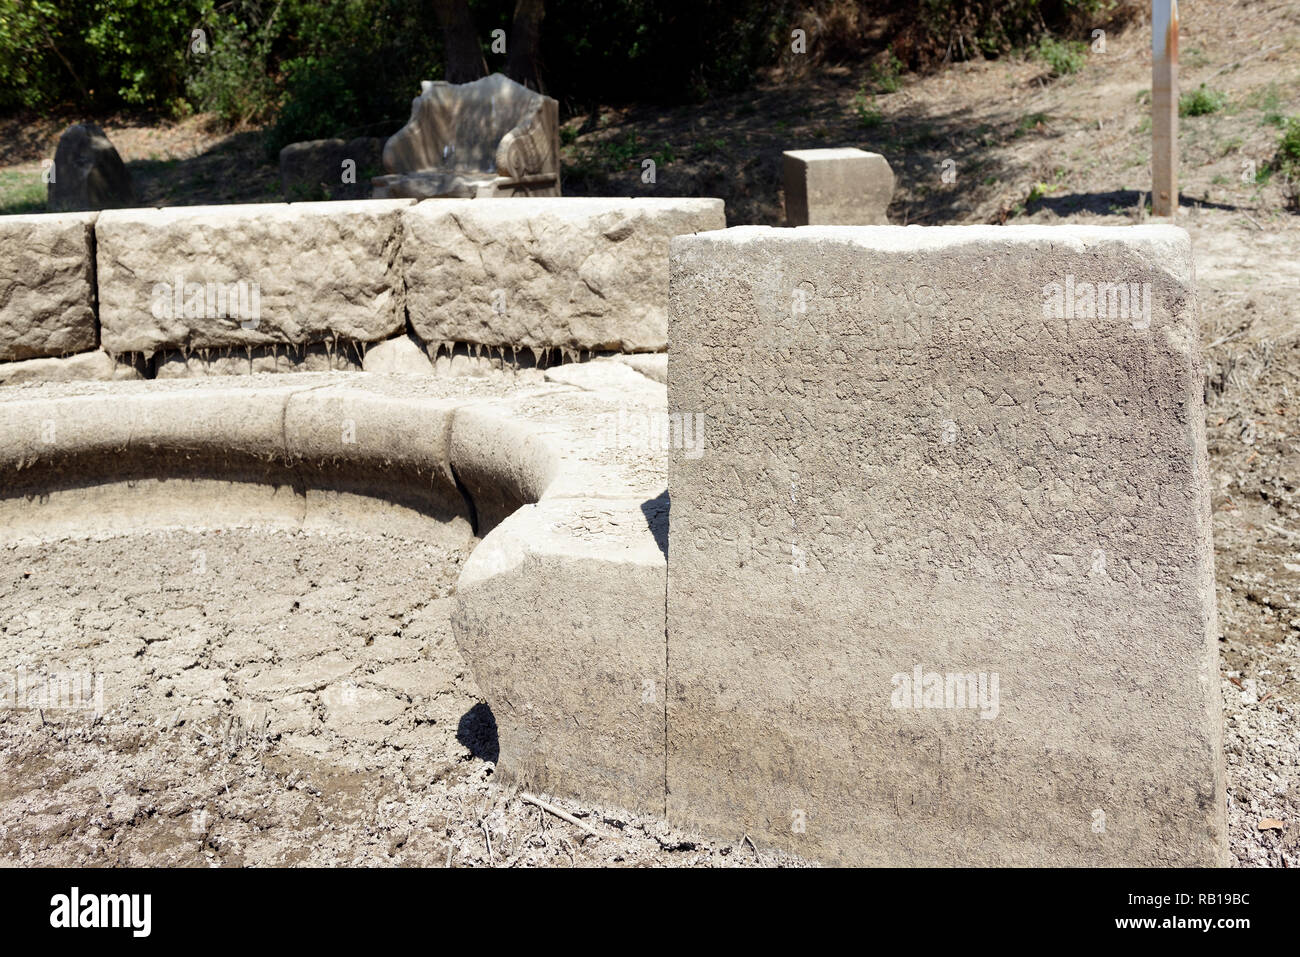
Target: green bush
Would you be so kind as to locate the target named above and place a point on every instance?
(348, 67)
(1288, 150)
(1287, 158)
(936, 30)
(234, 78)
(141, 47)
(355, 66)
(1201, 101)
(1286, 161)
(98, 53)
(865, 109)
(885, 76)
(1063, 56)
(25, 68)
(661, 51)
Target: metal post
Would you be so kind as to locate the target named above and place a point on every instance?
(1164, 107)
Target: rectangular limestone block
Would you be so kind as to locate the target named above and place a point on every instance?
(567, 273)
(203, 277)
(575, 683)
(94, 365)
(47, 294)
(836, 187)
(940, 585)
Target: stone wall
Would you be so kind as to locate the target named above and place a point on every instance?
(283, 287)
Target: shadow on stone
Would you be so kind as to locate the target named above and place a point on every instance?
(656, 516)
(478, 732)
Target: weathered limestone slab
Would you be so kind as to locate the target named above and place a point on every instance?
(560, 614)
(88, 172)
(95, 365)
(330, 169)
(309, 272)
(47, 294)
(652, 365)
(609, 376)
(489, 137)
(568, 273)
(836, 187)
(399, 354)
(559, 610)
(931, 453)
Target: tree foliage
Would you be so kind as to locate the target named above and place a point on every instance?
(319, 68)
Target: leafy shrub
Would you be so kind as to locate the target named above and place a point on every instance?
(100, 53)
(653, 50)
(931, 31)
(348, 67)
(864, 107)
(1287, 158)
(234, 79)
(140, 48)
(885, 76)
(1286, 161)
(355, 66)
(1201, 101)
(1063, 56)
(25, 58)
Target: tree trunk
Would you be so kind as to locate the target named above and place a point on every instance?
(462, 50)
(525, 40)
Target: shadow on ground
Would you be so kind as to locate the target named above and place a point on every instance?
(1112, 202)
(731, 147)
(477, 731)
(236, 169)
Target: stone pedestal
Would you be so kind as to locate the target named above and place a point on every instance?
(940, 586)
(836, 187)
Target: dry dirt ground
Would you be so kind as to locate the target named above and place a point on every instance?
(270, 698)
(1249, 283)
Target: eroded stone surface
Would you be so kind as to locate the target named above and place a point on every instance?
(321, 271)
(652, 365)
(918, 460)
(399, 354)
(46, 292)
(489, 136)
(563, 273)
(330, 169)
(840, 187)
(88, 172)
(86, 365)
(608, 376)
(576, 679)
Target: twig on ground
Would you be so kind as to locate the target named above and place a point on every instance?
(1228, 338)
(564, 816)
